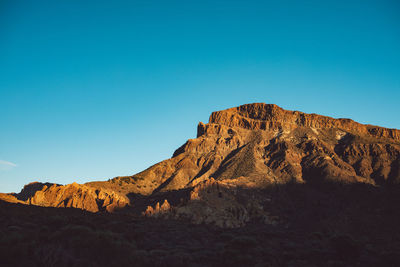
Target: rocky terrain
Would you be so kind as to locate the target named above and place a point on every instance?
(68, 196)
(270, 172)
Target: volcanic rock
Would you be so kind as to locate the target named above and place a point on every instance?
(256, 145)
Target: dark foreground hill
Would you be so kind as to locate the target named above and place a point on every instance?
(320, 225)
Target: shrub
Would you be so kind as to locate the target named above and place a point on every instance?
(345, 246)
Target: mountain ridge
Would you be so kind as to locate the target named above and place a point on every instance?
(253, 146)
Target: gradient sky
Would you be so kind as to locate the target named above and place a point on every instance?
(94, 90)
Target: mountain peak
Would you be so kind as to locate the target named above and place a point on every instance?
(261, 116)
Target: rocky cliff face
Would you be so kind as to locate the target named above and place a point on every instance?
(260, 116)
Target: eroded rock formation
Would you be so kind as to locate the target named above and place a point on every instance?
(69, 196)
(218, 203)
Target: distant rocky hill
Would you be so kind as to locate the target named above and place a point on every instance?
(68, 196)
(250, 147)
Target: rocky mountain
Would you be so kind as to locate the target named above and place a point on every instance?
(259, 144)
(219, 177)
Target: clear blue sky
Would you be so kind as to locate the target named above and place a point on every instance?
(94, 90)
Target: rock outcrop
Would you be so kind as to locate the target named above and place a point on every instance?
(218, 203)
(69, 196)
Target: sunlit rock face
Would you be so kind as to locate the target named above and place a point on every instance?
(70, 196)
